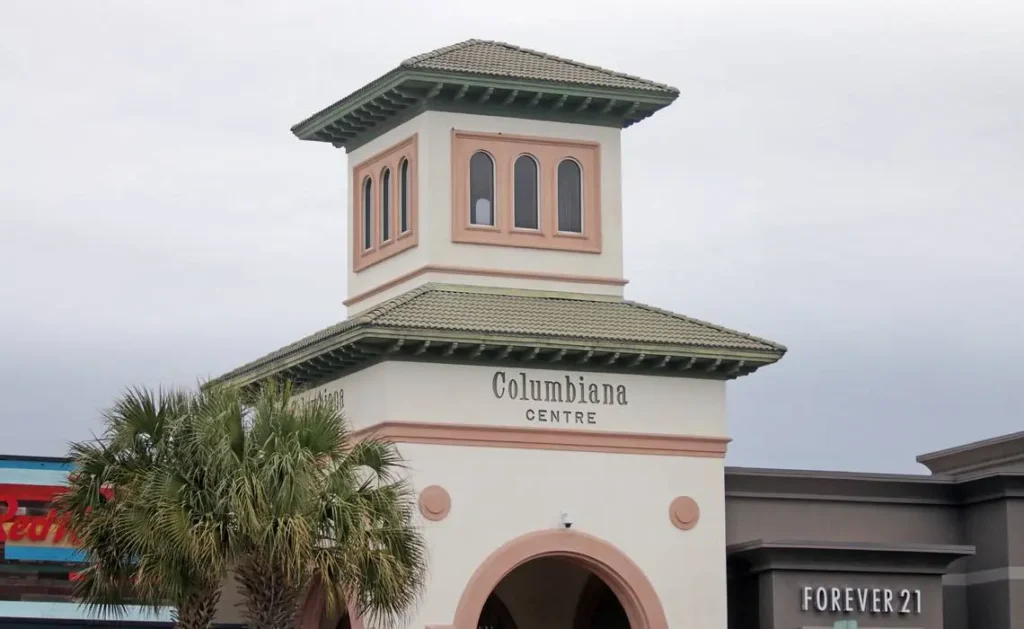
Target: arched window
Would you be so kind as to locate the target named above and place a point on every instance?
(385, 205)
(525, 193)
(367, 213)
(481, 189)
(403, 197)
(570, 197)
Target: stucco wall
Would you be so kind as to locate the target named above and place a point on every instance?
(465, 394)
(841, 521)
(500, 494)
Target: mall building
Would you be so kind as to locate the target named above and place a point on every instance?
(568, 444)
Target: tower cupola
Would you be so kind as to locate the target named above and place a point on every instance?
(486, 164)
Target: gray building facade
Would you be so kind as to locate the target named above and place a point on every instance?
(812, 549)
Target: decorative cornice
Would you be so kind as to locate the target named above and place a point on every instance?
(542, 439)
(810, 485)
(824, 556)
(821, 486)
(361, 348)
(976, 457)
(370, 110)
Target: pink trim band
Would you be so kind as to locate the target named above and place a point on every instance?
(473, 271)
(552, 439)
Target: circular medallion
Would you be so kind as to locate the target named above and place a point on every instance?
(435, 503)
(684, 513)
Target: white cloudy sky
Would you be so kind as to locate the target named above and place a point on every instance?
(847, 178)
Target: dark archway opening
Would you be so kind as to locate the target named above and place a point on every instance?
(599, 608)
(553, 593)
(495, 615)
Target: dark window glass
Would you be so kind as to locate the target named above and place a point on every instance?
(570, 197)
(403, 196)
(481, 189)
(385, 205)
(525, 192)
(367, 213)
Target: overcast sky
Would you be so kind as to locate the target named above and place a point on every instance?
(847, 179)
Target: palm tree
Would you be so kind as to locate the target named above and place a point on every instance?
(309, 506)
(141, 515)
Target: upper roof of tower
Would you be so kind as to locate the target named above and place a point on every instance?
(496, 58)
(477, 76)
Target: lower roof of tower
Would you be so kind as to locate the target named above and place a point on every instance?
(454, 323)
(477, 76)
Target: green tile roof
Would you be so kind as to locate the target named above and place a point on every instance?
(476, 56)
(476, 316)
(556, 317)
(487, 78)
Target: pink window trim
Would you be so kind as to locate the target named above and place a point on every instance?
(548, 152)
(390, 158)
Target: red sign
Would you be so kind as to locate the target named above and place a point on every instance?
(34, 528)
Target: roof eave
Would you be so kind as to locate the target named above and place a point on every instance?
(396, 91)
(362, 346)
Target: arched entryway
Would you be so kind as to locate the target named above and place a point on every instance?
(559, 579)
(552, 593)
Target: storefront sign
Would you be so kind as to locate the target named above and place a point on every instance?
(49, 528)
(566, 400)
(850, 600)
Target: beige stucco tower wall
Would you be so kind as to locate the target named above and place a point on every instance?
(502, 486)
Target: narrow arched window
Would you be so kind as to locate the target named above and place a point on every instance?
(403, 196)
(525, 192)
(385, 205)
(481, 189)
(570, 197)
(367, 213)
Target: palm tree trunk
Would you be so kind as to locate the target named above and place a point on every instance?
(270, 603)
(197, 610)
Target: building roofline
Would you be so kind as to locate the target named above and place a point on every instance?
(879, 477)
(363, 339)
(653, 85)
(759, 555)
(859, 487)
(415, 86)
(983, 454)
